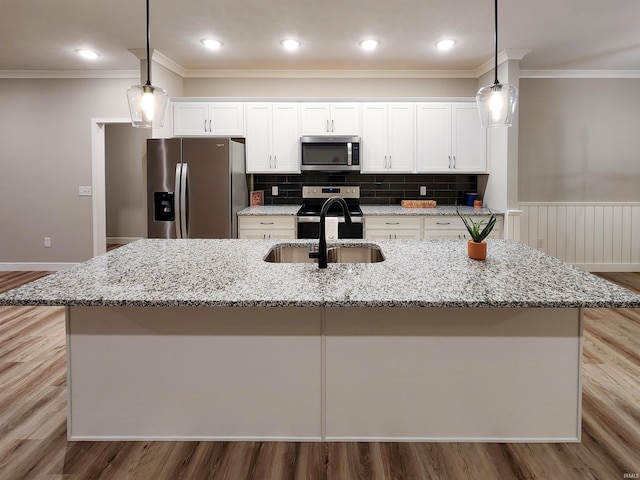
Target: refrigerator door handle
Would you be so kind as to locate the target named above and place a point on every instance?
(176, 200)
(184, 201)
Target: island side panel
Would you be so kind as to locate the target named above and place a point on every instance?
(194, 373)
(458, 374)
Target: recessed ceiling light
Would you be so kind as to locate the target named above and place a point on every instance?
(445, 44)
(88, 54)
(369, 44)
(211, 43)
(290, 44)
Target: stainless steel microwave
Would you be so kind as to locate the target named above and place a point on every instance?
(330, 154)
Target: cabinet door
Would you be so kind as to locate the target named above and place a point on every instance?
(468, 144)
(258, 141)
(433, 134)
(285, 138)
(190, 118)
(401, 137)
(314, 118)
(227, 119)
(345, 119)
(374, 138)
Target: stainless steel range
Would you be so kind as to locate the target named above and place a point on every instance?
(309, 213)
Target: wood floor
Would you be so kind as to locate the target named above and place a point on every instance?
(33, 422)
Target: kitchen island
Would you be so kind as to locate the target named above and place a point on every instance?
(202, 339)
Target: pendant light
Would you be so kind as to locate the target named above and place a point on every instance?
(147, 104)
(497, 102)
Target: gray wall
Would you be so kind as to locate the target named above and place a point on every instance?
(329, 87)
(45, 154)
(579, 140)
(125, 181)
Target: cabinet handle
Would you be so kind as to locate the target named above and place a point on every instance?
(454, 161)
(327, 128)
(333, 127)
(275, 161)
(210, 126)
(266, 223)
(392, 223)
(449, 161)
(443, 223)
(205, 124)
(389, 161)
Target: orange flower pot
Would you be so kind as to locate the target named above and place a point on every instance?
(477, 251)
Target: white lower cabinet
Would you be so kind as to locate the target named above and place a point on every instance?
(267, 227)
(451, 227)
(393, 227)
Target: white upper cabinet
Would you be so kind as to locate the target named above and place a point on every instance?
(330, 119)
(272, 143)
(388, 138)
(208, 118)
(450, 138)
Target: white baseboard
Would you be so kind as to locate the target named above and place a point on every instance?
(34, 266)
(122, 240)
(609, 267)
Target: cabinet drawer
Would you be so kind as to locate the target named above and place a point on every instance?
(443, 222)
(395, 222)
(267, 222)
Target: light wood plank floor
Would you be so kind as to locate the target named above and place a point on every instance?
(33, 422)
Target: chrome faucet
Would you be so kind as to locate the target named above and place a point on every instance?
(321, 254)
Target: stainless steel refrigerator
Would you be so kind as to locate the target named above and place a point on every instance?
(195, 187)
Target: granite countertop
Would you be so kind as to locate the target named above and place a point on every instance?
(416, 273)
(439, 210)
(373, 210)
(270, 210)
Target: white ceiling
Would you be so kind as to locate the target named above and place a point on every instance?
(561, 34)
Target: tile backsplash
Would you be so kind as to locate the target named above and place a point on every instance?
(382, 189)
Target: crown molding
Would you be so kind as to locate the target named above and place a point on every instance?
(579, 73)
(169, 64)
(329, 74)
(129, 74)
(503, 56)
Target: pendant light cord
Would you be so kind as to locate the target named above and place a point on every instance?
(495, 41)
(148, 41)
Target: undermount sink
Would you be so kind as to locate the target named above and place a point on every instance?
(335, 254)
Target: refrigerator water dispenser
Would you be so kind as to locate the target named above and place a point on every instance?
(163, 210)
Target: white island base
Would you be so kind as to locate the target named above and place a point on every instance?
(312, 374)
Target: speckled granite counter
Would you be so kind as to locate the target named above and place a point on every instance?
(232, 273)
(373, 210)
(439, 210)
(270, 210)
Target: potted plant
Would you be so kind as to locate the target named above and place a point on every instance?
(479, 230)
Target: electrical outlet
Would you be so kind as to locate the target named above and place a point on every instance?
(47, 242)
(274, 191)
(423, 190)
(541, 243)
(84, 191)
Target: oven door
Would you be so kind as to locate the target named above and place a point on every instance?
(309, 227)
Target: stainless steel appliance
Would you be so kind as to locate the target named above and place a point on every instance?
(330, 154)
(195, 187)
(313, 197)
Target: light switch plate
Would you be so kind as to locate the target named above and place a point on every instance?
(274, 191)
(84, 191)
(423, 190)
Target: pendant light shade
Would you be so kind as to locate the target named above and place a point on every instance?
(147, 104)
(497, 102)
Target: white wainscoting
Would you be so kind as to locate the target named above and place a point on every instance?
(596, 237)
